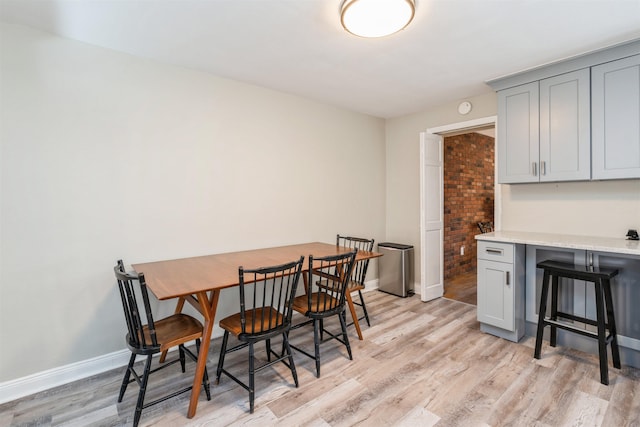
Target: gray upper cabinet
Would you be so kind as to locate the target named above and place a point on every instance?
(518, 134)
(616, 119)
(565, 134)
(573, 120)
(543, 130)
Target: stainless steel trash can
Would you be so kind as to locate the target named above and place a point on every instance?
(395, 269)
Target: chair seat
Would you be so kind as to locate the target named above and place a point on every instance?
(354, 286)
(175, 330)
(266, 319)
(318, 302)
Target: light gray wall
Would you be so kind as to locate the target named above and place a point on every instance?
(595, 208)
(403, 166)
(108, 156)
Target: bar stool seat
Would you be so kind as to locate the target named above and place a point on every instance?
(601, 277)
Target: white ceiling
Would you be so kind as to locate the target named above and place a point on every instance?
(298, 46)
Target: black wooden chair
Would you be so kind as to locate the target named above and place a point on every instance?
(358, 276)
(485, 227)
(153, 337)
(327, 283)
(266, 296)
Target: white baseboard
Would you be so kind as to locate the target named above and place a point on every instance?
(370, 285)
(20, 387)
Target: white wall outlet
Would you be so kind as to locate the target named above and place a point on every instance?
(462, 250)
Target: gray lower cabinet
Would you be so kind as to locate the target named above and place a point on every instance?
(615, 119)
(501, 270)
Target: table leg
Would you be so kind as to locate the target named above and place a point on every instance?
(208, 308)
(354, 315)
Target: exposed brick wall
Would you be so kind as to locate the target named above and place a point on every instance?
(468, 197)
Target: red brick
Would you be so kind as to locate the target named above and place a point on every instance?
(468, 197)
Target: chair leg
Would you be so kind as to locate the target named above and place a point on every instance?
(268, 344)
(182, 358)
(611, 320)
(223, 351)
(251, 378)
(316, 343)
(354, 315)
(292, 365)
(541, 314)
(343, 322)
(364, 308)
(553, 334)
(205, 377)
(127, 374)
(283, 349)
(602, 335)
(143, 390)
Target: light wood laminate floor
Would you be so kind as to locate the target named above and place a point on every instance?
(420, 364)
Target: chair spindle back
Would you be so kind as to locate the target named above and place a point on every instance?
(266, 297)
(332, 275)
(359, 272)
(139, 338)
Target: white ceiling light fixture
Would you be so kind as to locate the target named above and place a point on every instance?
(376, 18)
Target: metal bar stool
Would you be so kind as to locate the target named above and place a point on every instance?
(600, 276)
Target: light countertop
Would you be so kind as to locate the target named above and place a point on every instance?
(591, 243)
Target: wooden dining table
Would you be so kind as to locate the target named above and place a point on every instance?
(199, 280)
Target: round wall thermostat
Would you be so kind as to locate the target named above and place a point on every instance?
(464, 107)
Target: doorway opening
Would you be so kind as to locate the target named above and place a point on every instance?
(469, 188)
(467, 201)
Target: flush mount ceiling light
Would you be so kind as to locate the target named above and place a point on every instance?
(376, 18)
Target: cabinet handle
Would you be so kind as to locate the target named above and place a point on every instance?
(494, 251)
(534, 167)
(543, 168)
(508, 278)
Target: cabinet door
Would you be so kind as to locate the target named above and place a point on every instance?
(518, 134)
(565, 133)
(496, 294)
(615, 98)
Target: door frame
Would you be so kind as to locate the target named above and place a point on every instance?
(469, 125)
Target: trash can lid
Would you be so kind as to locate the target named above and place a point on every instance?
(395, 245)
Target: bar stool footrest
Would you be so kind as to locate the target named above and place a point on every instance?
(570, 327)
(577, 318)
